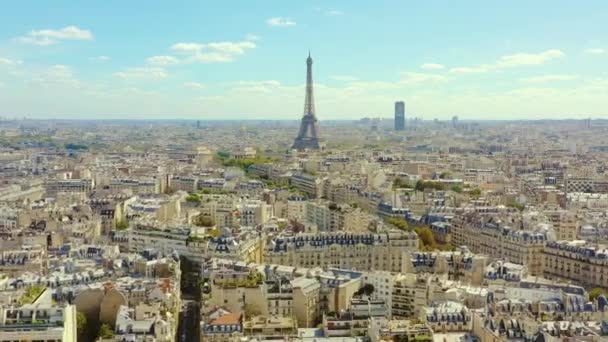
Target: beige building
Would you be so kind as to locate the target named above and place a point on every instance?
(355, 251)
(499, 241)
(409, 295)
(306, 297)
(565, 224)
(308, 184)
(40, 320)
(576, 261)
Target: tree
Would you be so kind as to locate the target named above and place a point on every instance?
(81, 323)
(252, 310)
(421, 185)
(223, 155)
(456, 188)
(204, 221)
(398, 183)
(122, 225)
(193, 198)
(517, 206)
(596, 292)
(75, 147)
(475, 192)
(425, 234)
(445, 175)
(367, 290)
(105, 331)
(399, 223)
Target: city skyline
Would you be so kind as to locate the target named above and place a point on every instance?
(477, 61)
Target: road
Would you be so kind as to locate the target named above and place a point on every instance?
(189, 322)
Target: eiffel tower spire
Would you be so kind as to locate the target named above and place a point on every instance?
(308, 135)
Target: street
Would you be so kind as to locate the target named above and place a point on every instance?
(188, 328)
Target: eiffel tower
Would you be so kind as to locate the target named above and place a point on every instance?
(308, 136)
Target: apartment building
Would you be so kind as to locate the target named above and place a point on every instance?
(409, 295)
(253, 213)
(328, 217)
(184, 183)
(591, 185)
(356, 251)
(296, 208)
(40, 320)
(499, 241)
(565, 224)
(55, 186)
(576, 261)
(308, 184)
(137, 186)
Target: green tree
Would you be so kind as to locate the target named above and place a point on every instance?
(425, 234)
(252, 310)
(81, 323)
(105, 331)
(475, 192)
(31, 294)
(596, 292)
(517, 206)
(456, 188)
(193, 198)
(399, 223)
(204, 221)
(422, 184)
(122, 225)
(223, 155)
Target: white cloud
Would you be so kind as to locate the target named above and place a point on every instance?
(272, 83)
(415, 77)
(280, 22)
(214, 52)
(549, 78)
(334, 13)
(252, 37)
(194, 85)
(471, 70)
(187, 47)
(9, 62)
(162, 60)
(152, 73)
(328, 12)
(51, 76)
(510, 61)
(100, 59)
(265, 86)
(432, 66)
(520, 59)
(596, 51)
(49, 37)
(343, 78)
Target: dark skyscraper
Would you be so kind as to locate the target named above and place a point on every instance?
(308, 136)
(399, 116)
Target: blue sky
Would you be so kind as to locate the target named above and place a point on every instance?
(246, 59)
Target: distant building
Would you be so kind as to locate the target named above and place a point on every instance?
(399, 116)
(455, 121)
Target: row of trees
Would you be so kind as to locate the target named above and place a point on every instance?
(425, 235)
(244, 164)
(421, 185)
